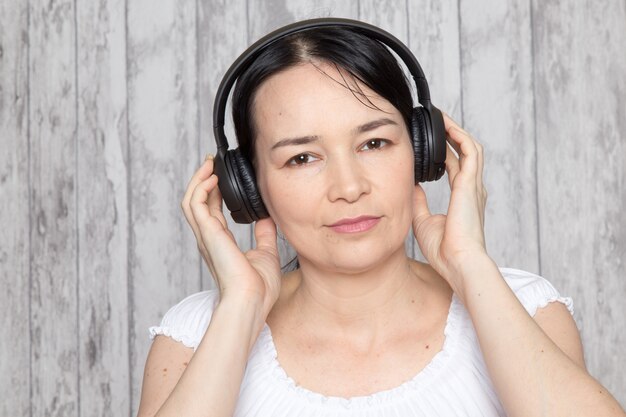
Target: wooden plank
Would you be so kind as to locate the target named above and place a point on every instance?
(163, 150)
(392, 16)
(266, 16)
(102, 209)
(14, 205)
(54, 250)
(434, 39)
(580, 90)
(498, 111)
(221, 38)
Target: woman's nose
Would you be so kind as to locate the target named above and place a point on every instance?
(347, 180)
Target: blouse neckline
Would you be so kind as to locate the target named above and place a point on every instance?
(418, 382)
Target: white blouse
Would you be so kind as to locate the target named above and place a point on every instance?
(454, 383)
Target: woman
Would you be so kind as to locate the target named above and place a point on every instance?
(358, 328)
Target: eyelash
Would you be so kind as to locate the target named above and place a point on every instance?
(296, 161)
(382, 143)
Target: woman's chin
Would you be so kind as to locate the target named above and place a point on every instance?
(351, 260)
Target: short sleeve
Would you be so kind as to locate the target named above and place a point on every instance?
(533, 291)
(188, 320)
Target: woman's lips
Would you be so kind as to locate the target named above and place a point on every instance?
(355, 225)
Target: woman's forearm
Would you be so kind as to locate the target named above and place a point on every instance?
(211, 383)
(532, 376)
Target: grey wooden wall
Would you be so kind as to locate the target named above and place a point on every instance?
(105, 112)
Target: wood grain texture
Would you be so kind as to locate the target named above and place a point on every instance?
(106, 112)
(102, 208)
(497, 89)
(434, 40)
(580, 91)
(266, 16)
(54, 247)
(163, 147)
(222, 36)
(14, 211)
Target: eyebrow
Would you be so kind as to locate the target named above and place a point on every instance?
(295, 141)
(375, 124)
(303, 140)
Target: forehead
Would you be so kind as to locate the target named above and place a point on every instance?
(313, 98)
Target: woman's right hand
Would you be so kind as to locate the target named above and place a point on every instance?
(254, 276)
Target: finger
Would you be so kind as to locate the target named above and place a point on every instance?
(201, 174)
(479, 171)
(452, 164)
(204, 172)
(452, 126)
(265, 235)
(215, 204)
(191, 218)
(420, 206)
(213, 231)
(468, 153)
(450, 123)
(210, 233)
(198, 204)
(455, 146)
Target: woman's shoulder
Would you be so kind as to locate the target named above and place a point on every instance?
(187, 321)
(533, 291)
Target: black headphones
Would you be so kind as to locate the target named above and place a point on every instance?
(237, 181)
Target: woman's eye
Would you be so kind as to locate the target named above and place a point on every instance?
(374, 144)
(302, 159)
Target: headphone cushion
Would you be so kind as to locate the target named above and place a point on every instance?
(419, 134)
(252, 197)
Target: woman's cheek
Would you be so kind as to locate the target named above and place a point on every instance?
(288, 199)
(401, 185)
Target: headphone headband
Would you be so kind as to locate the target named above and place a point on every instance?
(245, 59)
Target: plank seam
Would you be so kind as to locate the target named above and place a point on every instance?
(536, 162)
(76, 213)
(460, 26)
(30, 216)
(198, 115)
(129, 236)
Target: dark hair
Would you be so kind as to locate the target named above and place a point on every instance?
(365, 59)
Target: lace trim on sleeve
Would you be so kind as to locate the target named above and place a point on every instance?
(534, 291)
(187, 321)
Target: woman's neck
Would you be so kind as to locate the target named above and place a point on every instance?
(364, 306)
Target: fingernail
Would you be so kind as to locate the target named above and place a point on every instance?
(209, 156)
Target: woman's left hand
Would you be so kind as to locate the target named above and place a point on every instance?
(453, 241)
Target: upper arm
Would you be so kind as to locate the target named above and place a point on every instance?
(557, 322)
(167, 360)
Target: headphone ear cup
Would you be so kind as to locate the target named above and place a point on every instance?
(419, 135)
(429, 143)
(247, 179)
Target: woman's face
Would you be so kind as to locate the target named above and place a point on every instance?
(324, 158)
